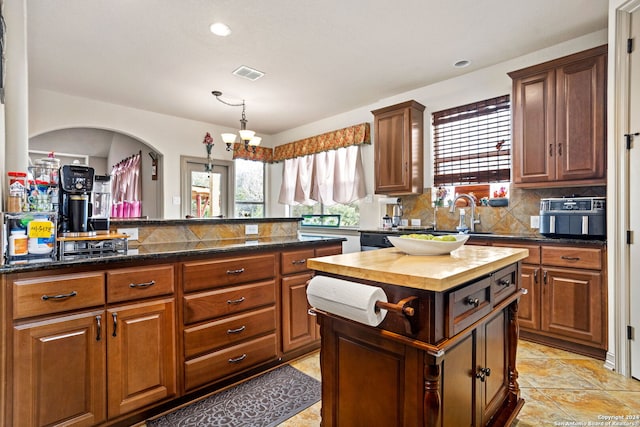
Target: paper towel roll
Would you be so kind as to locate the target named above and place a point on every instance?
(354, 301)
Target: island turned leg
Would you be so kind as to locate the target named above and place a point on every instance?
(514, 333)
(432, 401)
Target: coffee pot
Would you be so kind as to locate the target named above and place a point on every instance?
(397, 213)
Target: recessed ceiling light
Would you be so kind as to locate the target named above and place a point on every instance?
(462, 63)
(220, 29)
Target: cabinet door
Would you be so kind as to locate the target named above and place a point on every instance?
(141, 355)
(399, 149)
(529, 306)
(573, 304)
(580, 119)
(492, 369)
(298, 327)
(458, 383)
(534, 128)
(59, 371)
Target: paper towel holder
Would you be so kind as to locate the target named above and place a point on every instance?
(405, 309)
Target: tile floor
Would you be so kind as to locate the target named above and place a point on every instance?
(559, 388)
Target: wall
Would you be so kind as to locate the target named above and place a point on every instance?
(171, 136)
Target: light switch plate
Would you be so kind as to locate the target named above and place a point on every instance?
(251, 229)
(535, 221)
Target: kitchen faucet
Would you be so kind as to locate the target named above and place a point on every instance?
(472, 202)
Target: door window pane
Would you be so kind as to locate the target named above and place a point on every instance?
(249, 194)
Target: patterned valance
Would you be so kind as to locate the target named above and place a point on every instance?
(352, 135)
(262, 154)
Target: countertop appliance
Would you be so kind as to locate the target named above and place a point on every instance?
(76, 185)
(579, 217)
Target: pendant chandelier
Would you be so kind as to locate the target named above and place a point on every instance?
(247, 136)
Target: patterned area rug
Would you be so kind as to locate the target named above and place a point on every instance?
(264, 401)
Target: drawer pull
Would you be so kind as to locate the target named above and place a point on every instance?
(59, 297)
(99, 328)
(238, 359)
(235, 301)
(237, 330)
(238, 271)
(504, 282)
(472, 301)
(115, 323)
(142, 285)
(570, 258)
(299, 261)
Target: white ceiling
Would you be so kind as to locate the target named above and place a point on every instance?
(321, 58)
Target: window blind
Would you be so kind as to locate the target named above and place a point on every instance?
(472, 143)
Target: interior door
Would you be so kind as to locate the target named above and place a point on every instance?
(634, 197)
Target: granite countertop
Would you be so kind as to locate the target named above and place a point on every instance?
(434, 273)
(175, 249)
(535, 238)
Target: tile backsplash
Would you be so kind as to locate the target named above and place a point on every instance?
(512, 219)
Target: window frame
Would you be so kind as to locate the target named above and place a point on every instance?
(264, 189)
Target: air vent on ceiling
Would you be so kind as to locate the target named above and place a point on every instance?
(248, 73)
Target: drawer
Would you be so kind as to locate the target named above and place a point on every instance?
(127, 284)
(467, 305)
(199, 275)
(221, 333)
(224, 302)
(567, 256)
(295, 261)
(217, 365)
(504, 283)
(54, 294)
(534, 251)
(329, 250)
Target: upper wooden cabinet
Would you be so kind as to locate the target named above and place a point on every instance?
(399, 142)
(559, 121)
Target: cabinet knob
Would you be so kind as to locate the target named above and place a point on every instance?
(504, 282)
(473, 301)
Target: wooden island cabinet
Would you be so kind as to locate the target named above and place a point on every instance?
(115, 342)
(452, 363)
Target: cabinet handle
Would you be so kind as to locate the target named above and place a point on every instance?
(550, 150)
(59, 297)
(238, 271)
(504, 282)
(238, 359)
(483, 373)
(472, 301)
(99, 328)
(486, 371)
(142, 285)
(115, 324)
(544, 277)
(535, 275)
(480, 375)
(299, 261)
(570, 258)
(560, 149)
(235, 301)
(237, 330)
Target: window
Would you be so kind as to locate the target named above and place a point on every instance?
(249, 193)
(472, 143)
(349, 213)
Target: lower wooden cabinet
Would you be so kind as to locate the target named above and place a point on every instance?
(59, 371)
(141, 355)
(566, 301)
(298, 327)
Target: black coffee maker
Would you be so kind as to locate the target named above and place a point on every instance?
(74, 208)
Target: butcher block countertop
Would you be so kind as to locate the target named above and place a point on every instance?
(433, 273)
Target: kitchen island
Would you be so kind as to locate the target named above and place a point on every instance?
(444, 356)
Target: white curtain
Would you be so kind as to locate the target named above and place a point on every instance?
(329, 177)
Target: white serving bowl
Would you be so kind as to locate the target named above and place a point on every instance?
(427, 247)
